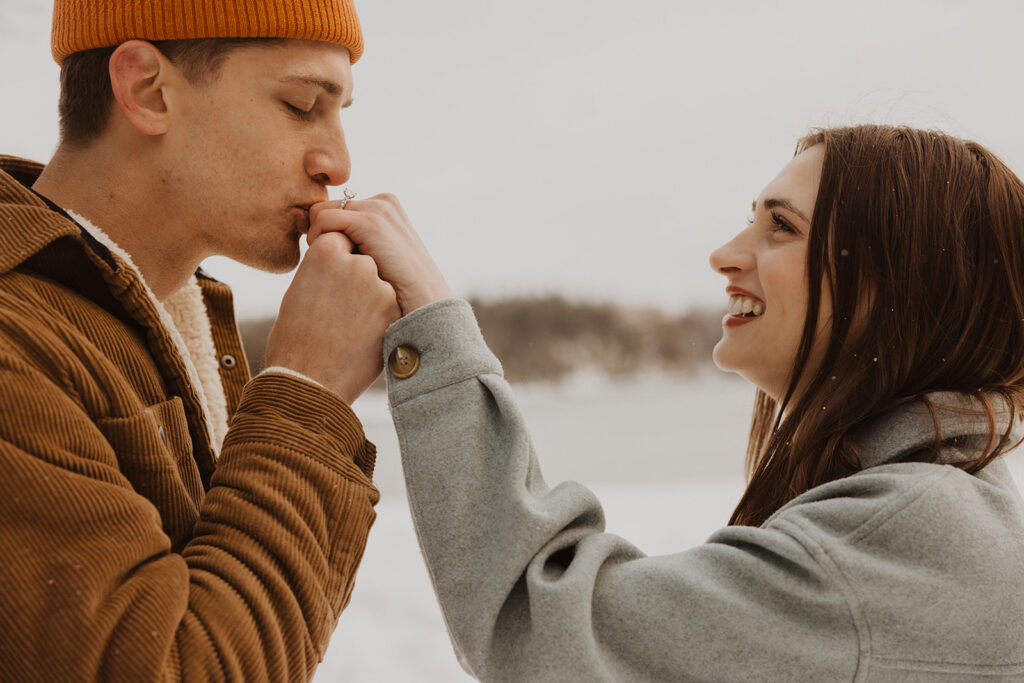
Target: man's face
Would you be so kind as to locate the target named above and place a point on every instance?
(247, 153)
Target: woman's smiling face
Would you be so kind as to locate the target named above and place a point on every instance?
(766, 265)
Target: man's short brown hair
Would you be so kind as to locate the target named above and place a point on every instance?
(86, 97)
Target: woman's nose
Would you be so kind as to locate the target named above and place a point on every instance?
(732, 256)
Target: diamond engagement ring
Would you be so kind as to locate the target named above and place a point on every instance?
(349, 195)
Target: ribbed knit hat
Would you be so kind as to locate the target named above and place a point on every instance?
(86, 24)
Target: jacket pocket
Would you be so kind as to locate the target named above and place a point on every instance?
(154, 452)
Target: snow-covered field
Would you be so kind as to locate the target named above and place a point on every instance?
(664, 455)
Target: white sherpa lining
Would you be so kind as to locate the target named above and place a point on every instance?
(185, 318)
(293, 373)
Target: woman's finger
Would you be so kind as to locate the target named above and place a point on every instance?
(331, 205)
(329, 220)
(341, 237)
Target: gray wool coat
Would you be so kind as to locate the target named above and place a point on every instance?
(905, 571)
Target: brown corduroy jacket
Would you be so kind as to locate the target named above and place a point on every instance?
(129, 550)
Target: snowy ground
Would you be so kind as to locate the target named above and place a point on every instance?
(664, 456)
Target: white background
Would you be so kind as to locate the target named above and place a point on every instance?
(603, 149)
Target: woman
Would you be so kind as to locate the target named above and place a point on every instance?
(921, 262)
(877, 303)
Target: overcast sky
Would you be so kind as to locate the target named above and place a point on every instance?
(602, 149)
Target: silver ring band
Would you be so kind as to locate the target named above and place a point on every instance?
(349, 195)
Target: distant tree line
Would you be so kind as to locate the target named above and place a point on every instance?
(544, 339)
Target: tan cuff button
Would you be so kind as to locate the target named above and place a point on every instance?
(404, 362)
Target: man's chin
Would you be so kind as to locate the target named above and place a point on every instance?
(278, 269)
(276, 261)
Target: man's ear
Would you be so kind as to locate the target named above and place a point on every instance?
(139, 73)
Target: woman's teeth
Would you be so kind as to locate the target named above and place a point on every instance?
(745, 305)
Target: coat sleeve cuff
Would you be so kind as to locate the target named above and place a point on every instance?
(447, 339)
(290, 412)
(293, 373)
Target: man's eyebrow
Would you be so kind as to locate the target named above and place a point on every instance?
(773, 203)
(330, 87)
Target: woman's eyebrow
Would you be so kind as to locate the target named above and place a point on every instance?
(780, 203)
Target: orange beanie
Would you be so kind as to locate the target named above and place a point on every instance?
(86, 24)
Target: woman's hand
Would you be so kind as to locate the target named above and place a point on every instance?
(380, 229)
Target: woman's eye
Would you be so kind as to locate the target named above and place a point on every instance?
(779, 224)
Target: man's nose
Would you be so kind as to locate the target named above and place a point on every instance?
(329, 163)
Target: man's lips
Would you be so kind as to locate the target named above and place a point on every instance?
(306, 207)
(304, 212)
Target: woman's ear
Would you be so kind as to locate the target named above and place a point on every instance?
(138, 77)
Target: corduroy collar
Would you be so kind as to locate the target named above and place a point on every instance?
(29, 223)
(48, 222)
(963, 429)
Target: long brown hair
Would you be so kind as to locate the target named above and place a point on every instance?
(920, 239)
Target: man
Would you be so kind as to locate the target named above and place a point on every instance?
(161, 515)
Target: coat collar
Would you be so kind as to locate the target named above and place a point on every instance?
(20, 206)
(962, 422)
(29, 223)
(49, 221)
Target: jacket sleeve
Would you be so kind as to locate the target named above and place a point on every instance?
(89, 586)
(533, 589)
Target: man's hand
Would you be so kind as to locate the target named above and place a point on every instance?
(333, 317)
(380, 229)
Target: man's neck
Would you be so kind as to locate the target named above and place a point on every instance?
(112, 193)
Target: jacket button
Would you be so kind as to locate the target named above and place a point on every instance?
(228, 362)
(404, 362)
